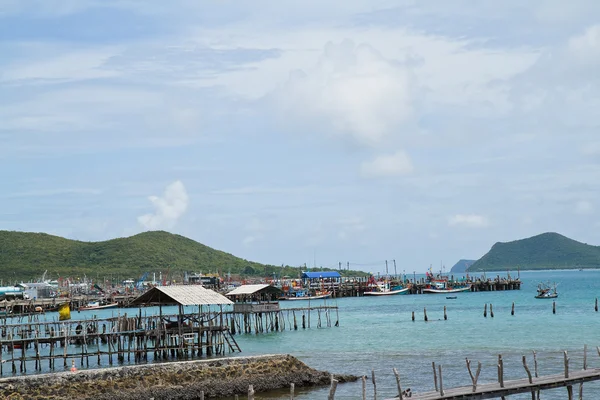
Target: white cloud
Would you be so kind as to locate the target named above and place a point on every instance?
(395, 164)
(585, 48)
(167, 209)
(353, 89)
(584, 207)
(468, 220)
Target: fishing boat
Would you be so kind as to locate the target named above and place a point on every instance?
(97, 305)
(385, 289)
(545, 291)
(305, 295)
(437, 286)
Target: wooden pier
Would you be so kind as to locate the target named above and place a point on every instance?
(495, 390)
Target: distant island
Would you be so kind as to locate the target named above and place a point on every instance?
(546, 251)
(461, 266)
(26, 256)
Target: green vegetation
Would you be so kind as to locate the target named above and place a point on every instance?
(25, 256)
(545, 251)
(461, 266)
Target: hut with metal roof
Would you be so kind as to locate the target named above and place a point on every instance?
(198, 329)
(255, 298)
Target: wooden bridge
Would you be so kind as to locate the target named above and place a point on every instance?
(494, 390)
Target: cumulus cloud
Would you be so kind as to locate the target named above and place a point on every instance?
(167, 209)
(468, 220)
(354, 90)
(387, 165)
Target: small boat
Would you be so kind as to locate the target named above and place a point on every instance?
(545, 291)
(385, 289)
(455, 290)
(393, 291)
(305, 295)
(451, 297)
(96, 305)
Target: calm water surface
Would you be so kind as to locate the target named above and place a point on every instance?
(376, 333)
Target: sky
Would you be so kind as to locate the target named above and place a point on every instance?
(354, 131)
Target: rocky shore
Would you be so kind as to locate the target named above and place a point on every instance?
(170, 381)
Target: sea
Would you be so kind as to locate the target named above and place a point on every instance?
(377, 334)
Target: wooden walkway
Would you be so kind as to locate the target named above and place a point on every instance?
(494, 391)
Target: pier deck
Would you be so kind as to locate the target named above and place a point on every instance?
(494, 391)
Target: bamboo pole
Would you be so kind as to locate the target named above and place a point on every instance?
(398, 384)
(374, 384)
(332, 388)
(441, 381)
(435, 381)
(364, 387)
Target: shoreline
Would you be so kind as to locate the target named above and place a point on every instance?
(178, 380)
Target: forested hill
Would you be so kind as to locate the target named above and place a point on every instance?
(25, 256)
(545, 251)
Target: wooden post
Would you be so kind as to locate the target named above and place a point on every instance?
(491, 311)
(500, 370)
(485, 310)
(535, 367)
(445, 316)
(527, 370)
(250, 392)
(413, 315)
(596, 305)
(292, 386)
(474, 378)
(441, 381)
(584, 368)
(398, 384)
(374, 384)
(553, 307)
(332, 388)
(512, 309)
(435, 381)
(425, 314)
(566, 357)
(364, 387)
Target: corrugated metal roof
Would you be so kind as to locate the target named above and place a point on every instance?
(247, 289)
(188, 295)
(323, 274)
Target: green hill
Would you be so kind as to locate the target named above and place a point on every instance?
(25, 256)
(545, 251)
(461, 266)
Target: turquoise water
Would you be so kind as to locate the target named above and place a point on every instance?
(377, 333)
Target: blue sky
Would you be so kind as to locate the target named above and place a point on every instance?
(287, 132)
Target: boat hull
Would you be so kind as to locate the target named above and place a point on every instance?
(446, 291)
(388, 293)
(319, 297)
(552, 296)
(112, 305)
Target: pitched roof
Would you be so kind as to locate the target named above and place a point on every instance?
(251, 289)
(188, 295)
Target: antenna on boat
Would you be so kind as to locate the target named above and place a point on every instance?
(386, 269)
(395, 273)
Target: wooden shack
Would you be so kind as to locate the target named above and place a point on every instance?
(255, 298)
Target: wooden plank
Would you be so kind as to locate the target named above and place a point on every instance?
(493, 390)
